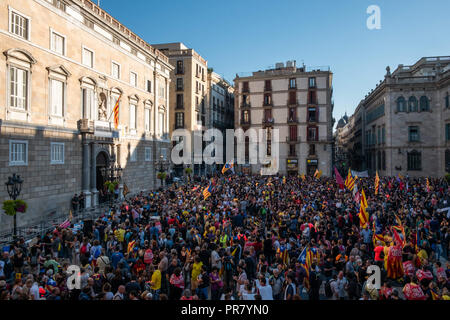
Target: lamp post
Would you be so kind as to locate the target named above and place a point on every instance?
(111, 174)
(14, 186)
(163, 164)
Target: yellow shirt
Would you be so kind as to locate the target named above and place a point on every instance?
(119, 233)
(196, 269)
(156, 280)
(422, 255)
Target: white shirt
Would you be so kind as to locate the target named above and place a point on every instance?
(35, 291)
(264, 291)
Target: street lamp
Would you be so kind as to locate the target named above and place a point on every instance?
(14, 186)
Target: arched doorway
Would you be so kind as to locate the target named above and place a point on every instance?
(102, 161)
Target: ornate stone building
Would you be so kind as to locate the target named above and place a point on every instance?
(298, 102)
(406, 121)
(64, 64)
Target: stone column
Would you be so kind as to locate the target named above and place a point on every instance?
(93, 173)
(86, 177)
(118, 162)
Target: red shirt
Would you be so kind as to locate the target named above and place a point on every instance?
(378, 251)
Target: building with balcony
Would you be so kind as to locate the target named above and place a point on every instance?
(297, 101)
(220, 111)
(406, 121)
(188, 94)
(63, 67)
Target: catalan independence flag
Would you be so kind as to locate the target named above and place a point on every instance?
(363, 215)
(350, 181)
(207, 191)
(228, 166)
(116, 113)
(377, 182)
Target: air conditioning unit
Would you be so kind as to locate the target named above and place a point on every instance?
(279, 65)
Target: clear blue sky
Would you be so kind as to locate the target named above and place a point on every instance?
(248, 35)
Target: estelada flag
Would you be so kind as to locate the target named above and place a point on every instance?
(207, 191)
(116, 113)
(228, 166)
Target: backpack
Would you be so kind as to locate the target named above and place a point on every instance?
(97, 252)
(83, 249)
(328, 291)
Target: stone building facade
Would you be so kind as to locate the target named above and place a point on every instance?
(220, 111)
(188, 95)
(298, 102)
(63, 66)
(406, 121)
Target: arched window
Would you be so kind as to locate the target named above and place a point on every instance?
(412, 104)
(401, 104)
(424, 104)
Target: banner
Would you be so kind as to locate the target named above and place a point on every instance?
(360, 174)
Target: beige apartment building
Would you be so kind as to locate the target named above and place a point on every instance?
(188, 94)
(298, 102)
(405, 125)
(220, 111)
(64, 64)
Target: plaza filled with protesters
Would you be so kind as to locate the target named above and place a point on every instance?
(247, 237)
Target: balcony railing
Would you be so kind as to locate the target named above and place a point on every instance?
(289, 102)
(246, 105)
(267, 88)
(268, 120)
(179, 71)
(267, 104)
(295, 139)
(180, 106)
(292, 119)
(245, 89)
(243, 121)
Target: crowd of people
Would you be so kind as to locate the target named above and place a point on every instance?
(253, 238)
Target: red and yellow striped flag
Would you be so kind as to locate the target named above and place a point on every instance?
(363, 215)
(116, 113)
(377, 182)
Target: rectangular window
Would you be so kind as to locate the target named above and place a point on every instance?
(132, 116)
(88, 103)
(447, 131)
(148, 154)
(133, 154)
(414, 134)
(19, 25)
(312, 116)
(292, 97)
(267, 99)
(245, 86)
(149, 86)
(56, 153)
(18, 88)
(161, 91)
(292, 83)
(312, 82)
(180, 69)
(179, 83)
(293, 133)
(312, 97)
(414, 161)
(383, 135)
(115, 70)
(56, 97)
(267, 85)
(161, 123)
(312, 149)
(18, 152)
(133, 79)
(179, 120)
(180, 101)
(88, 58)
(147, 119)
(313, 133)
(58, 43)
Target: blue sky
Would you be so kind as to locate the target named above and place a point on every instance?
(248, 35)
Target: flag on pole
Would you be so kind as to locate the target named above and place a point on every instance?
(377, 182)
(339, 179)
(363, 215)
(227, 166)
(207, 191)
(350, 180)
(116, 113)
